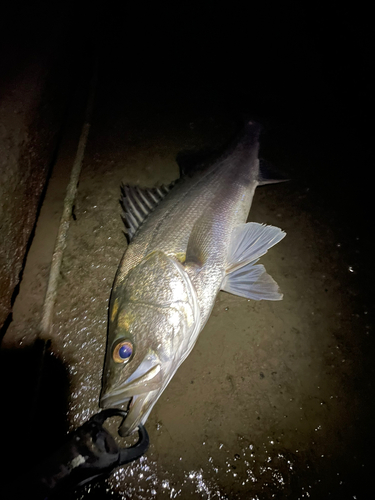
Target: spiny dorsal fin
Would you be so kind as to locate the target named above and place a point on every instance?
(138, 203)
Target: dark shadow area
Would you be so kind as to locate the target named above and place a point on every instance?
(5, 326)
(35, 431)
(35, 389)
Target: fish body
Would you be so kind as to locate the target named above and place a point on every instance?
(186, 244)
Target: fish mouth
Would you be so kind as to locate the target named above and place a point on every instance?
(138, 409)
(139, 391)
(113, 400)
(133, 385)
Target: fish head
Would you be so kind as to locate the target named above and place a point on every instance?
(152, 324)
(133, 369)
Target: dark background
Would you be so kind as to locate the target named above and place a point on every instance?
(289, 62)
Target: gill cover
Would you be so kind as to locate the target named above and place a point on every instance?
(154, 316)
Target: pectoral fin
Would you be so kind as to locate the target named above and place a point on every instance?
(249, 242)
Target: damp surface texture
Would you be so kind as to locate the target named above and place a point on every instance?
(275, 400)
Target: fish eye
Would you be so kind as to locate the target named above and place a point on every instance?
(122, 351)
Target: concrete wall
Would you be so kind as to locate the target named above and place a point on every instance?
(37, 66)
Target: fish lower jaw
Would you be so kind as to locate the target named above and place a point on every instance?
(127, 404)
(125, 431)
(131, 403)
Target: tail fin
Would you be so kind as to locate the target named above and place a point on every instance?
(268, 174)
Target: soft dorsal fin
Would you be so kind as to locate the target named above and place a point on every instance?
(138, 203)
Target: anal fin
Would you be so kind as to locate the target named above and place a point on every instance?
(252, 282)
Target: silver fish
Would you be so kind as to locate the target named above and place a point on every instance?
(186, 244)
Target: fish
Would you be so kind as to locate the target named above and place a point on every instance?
(186, 243)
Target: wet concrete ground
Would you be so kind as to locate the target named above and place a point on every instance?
(274, 400)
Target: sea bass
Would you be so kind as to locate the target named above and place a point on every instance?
(186, 244)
